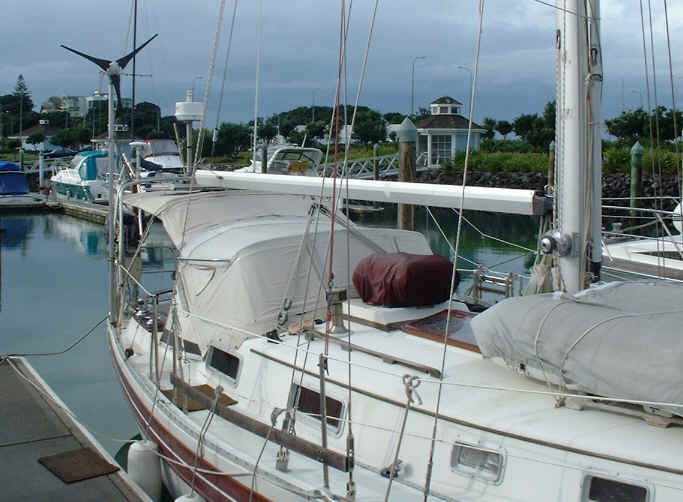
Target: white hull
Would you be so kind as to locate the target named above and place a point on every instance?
(560, 449)
(661, 257)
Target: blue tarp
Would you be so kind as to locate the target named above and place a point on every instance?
(6, 166)
(12, 180)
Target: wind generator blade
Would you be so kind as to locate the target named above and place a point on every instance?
(116, 82)
(102, 63)
(125, 59)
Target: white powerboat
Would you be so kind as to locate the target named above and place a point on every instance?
(85, 179)
(286, 159)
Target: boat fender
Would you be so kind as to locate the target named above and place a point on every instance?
(144, 467)
(190, 497)
(677, 218)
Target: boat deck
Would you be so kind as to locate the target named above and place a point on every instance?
(35, 425)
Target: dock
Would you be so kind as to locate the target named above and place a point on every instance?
(45, 453)
(97, 213)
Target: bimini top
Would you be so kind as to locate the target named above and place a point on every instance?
(12, 180)
(86, 163)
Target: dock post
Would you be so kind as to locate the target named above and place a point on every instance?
(637, 152)
(407, 139)
(375, 168)
(41, 169)
(551, 169)
(264, 158)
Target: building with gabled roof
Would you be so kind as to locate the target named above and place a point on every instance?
(444, 133)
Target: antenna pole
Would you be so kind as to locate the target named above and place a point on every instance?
(135, 44)
(113, 315)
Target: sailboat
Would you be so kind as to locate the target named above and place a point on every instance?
(299, 356)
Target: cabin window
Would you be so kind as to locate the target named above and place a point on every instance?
(308, 402)
(608, 490)
(477, 462)
(190, 347)
(226, 363)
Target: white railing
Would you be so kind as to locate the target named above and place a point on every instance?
(387, 165)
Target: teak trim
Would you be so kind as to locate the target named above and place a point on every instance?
(294, 443)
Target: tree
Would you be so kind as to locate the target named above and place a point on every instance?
(316, 129)
(369, 127)
(394, 117)
(490, 125)
(635, 125)
(35, 138)
(535, 130)
(524, 125)
(504, 128)
(232, 138)
(629, 126)
(72, 138)
(23, 95)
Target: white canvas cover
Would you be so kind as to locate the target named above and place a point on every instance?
(242, 254)
(621, 340)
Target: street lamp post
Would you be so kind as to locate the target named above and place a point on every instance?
(469, 99)
(412, 85)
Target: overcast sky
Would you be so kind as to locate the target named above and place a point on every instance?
(300, 45)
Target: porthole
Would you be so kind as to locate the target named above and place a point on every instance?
(477, 462)
(597, 489)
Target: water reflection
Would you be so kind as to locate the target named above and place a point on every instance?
(14, 231)
(85, 236)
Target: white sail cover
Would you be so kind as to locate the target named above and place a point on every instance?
(622, 340)
(242, 254)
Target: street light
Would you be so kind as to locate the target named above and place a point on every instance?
(469, 99)
(412, 85)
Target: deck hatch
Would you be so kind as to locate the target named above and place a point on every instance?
(609, 490)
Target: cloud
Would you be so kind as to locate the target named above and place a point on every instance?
(299, 50)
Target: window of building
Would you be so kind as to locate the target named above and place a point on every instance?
(441, 148)
(443, 109)
(608, 490)
(308, 402)
(226, 363)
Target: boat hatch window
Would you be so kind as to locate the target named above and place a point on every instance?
(190, 347)
(608, 490)
(308, 401)
(477, 462)
(226, 363)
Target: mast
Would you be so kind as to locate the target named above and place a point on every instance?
(595, 124)
(135, 34)
(578, 143)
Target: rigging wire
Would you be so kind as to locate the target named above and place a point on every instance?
(430, 462)
(259, 37)
(207, 88)
(673, 98)
(214, 138)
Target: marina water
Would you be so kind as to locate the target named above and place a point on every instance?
(54, 289)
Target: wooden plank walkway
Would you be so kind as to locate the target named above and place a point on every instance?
(34, 424)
